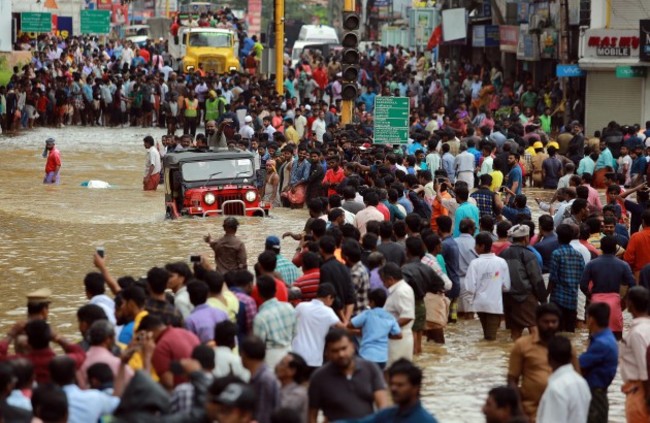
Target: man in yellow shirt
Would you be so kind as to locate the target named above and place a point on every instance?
(290, 132)
(220, 296)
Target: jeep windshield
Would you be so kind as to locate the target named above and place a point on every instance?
(217, 170)
(210, 39)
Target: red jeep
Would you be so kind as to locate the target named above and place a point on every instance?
(208, 183)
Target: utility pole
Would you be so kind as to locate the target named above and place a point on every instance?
(279, 46)
(347, 104)
(564, 54)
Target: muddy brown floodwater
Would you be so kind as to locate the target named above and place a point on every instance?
(48, 235)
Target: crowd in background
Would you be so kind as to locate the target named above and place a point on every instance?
(402, 240)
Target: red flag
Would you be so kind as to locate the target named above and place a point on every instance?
(434, 39)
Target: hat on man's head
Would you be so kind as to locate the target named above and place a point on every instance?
(248, 119)
(272, 242)
(519, 231)
(50, 141)
(553, 144)
(537, 145)
(237, 395)
(39, 296)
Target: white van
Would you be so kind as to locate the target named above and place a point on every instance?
(313, 35)
(322, 33)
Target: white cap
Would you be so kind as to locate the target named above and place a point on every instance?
(248, 119)
(307, 106)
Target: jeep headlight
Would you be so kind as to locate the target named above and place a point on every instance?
(209, 198)
(251, 196)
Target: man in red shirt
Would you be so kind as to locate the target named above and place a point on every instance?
(310, 279)
(320, 76)
(40, 353)
(172, 345)
(144, 53)
(334, 175)
(53, 164)
(266, 263)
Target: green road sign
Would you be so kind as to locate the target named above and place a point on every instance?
(631, 71)
(35, 22)
(391, 120)
(95, 21)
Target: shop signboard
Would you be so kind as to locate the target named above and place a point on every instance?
(626, 72)
(528, 44)
(569, 71)
(508, 38)
(391, 120)
(614, 43)
(485, 36)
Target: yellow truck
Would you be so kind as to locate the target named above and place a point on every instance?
(214, 49)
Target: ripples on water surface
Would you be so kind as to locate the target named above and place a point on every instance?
(48, 235)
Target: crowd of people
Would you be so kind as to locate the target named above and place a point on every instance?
(402, 240)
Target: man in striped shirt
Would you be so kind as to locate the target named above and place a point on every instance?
(309, 281)
(284, 267)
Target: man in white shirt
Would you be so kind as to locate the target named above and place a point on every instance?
(566, 197)
(315, 319)
(247, 130)
(226, 360)
(318, 127)
(95, 287)
(567, 396)
(487, 278)
(371, 200)
(152, 166)
(632, 356)
(464, 164)
(401, 304)
(269, 130)
(300, 122)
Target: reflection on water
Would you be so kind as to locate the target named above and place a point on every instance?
(49, 234)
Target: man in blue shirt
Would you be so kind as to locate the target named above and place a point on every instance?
(451, 255)
(565, 272)
(598, 364)
(518, 208)
(603, 279)
(405, 380)
(376, 325)
(514, 178)
(547, 242)
(368, 98)
(300, 169)
(464, 210)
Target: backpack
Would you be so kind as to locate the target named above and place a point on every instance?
(420, 206)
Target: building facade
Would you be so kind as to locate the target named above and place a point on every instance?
(617, 80)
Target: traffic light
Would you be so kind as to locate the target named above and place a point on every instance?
(351, 57)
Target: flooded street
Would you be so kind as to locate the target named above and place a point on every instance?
(48, 236)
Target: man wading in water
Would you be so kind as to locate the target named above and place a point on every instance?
(53, 164)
